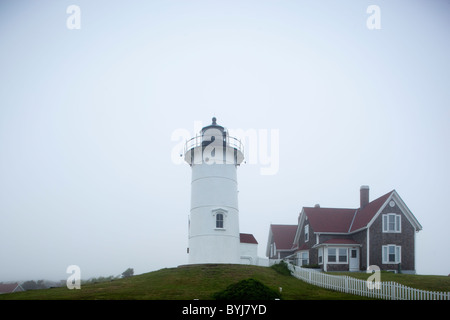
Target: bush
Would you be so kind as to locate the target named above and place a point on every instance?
(128, 273)
(282, 268)
(311, 266)
(249, 289)
(97, 280)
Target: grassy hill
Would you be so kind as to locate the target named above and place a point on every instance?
(202, 281)
(184, 283)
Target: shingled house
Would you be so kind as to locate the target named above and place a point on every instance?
(380, 232)
(281, 238)
(10, 288)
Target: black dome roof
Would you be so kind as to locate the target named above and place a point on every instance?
(214, 125)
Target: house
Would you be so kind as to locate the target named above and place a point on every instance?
(380, 232)
(281, 238)
(248, 248)
(10, 287)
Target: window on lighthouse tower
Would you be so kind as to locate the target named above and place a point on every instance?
(219, 220)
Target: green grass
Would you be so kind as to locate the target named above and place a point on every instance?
(202, 281)
(184, 283)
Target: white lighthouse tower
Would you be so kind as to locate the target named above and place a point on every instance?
(214, 217)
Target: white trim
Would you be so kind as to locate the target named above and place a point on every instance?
(407, 213)
(397, 253)
(397, 222)
(224, 214)
(368, 248)
(348, 245)
(220, 221)
(301, 221)
(337, 248)
(404, 209)
(219, 210)
(369, 224)
(337, 233)
(269, 243)
(415, 253)
(298, 257)
(354, 216)
(355, 260)
(249, 258)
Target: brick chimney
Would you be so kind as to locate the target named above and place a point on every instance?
(364, 196)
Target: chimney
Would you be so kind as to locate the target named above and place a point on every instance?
(364, 196)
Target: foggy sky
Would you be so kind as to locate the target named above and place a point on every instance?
(90, 120)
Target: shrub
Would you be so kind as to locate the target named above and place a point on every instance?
(128, 273)
(249, 289)
(282, 268)
(311, 266)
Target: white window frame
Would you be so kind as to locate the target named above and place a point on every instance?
(307, 233)
(338, 255)
(328, 255)
(221, 221)
(386, 253)
(273, 249)
(394, 226)
(303, 258)
(320, 256)
(215, 213)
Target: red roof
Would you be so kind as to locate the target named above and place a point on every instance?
(364, 216)
(330, 219)
(336, 220)
(247, 238)
(283, 235)
(302, 247)
(9, 287)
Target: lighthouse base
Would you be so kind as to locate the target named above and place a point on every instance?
(214, 249)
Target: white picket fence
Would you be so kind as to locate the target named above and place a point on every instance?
(388, 290)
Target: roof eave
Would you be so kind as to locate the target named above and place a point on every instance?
(337, 245)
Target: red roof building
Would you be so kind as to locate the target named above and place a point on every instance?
(380, 232)
(10, 287)
(281, 238)
(249, 249)
(247, 238)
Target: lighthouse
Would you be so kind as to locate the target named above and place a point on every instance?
(214, 214)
